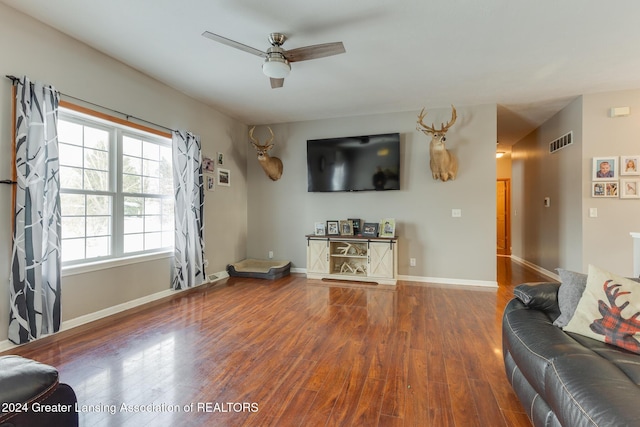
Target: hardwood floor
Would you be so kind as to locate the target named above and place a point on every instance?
(293, 352)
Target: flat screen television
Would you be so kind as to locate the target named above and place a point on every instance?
(354, 163)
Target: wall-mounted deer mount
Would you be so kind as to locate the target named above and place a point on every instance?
(444, 165)
(272, 166)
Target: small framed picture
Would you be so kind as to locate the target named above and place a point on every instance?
(356, 226)
(388, 227)
(370, 229)
(224, 177)
(605, 168)
(220, 159)
(332, 228)
(208, 165)
(320, 229)
(604, 189)
(346, 227)
(630, 188)
(211, 182)
(630, 165)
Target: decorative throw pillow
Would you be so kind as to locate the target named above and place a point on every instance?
(609, 310)
(569, 294)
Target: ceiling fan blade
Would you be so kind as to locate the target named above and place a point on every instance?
(276, 83)
(233, 43)
(314, 52)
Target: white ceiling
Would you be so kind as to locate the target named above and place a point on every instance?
(530, 57)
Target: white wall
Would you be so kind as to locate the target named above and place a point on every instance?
(281, 213)
(32, 49)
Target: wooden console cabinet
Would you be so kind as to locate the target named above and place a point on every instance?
(370, 259)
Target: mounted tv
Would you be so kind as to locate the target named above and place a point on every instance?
(354, 163)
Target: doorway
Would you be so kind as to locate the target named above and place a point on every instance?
(503, 216)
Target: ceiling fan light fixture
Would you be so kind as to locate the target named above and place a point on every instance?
(276, 67)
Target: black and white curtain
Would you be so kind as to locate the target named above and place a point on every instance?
(35, 264)
(189, 210)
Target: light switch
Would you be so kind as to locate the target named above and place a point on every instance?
(547, 202)
(593, 212)
(456, 213)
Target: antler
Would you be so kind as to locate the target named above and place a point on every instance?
(431, 129)
(256, 142)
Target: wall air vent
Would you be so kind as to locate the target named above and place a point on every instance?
(563, 141)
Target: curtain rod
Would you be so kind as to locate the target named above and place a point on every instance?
(15, 80)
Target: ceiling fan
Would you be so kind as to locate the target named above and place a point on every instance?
(276, 59)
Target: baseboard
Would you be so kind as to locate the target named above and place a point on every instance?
(109, 311)
(537, 268)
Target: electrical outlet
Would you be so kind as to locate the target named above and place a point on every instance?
(270, 254)
(412, 262)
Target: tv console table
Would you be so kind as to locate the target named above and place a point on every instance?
(366, 259)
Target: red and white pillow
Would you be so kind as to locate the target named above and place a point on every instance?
(609, 310)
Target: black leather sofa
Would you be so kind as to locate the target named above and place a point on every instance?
(31, 396)
(565, 379)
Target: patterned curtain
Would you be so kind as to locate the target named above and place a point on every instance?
(189, 210)
(35, 265)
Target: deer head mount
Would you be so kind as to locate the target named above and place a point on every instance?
(272, 166)
(444, 165)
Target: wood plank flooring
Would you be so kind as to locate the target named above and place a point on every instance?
(293, 352)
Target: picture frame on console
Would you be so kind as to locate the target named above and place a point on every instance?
(370, 229)
(388, 227)
(346, 227)
(356, 226)
(333, 228)
(320, 229)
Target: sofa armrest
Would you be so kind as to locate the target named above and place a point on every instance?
(24, 380)
(541, 296)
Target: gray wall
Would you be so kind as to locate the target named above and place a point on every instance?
(564, 235)
(282, 212)
(607, 242)
(77, 70)
(549, 237)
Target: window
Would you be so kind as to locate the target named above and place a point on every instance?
(116, 189)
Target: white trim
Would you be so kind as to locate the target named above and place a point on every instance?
(535, 267)
(298, 270)
(72, 270)
(109, 311)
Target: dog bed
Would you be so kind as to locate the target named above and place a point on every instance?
(259, 268)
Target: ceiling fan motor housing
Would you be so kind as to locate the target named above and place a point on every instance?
(276, 65)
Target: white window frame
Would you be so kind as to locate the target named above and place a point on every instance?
(117, 130)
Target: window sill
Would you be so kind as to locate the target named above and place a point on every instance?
(72, 270)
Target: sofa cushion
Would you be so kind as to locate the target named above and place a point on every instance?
(24, 380)
(533, 342)
(587, 390)
(539, 296)
(569, 294)
(609, 310)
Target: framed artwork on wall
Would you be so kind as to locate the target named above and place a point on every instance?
(220, 159)
(207, 165)
(630, 188)
(224, 177)
(604, 189)
(605, 168)
(630, 165)
(211, 183)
